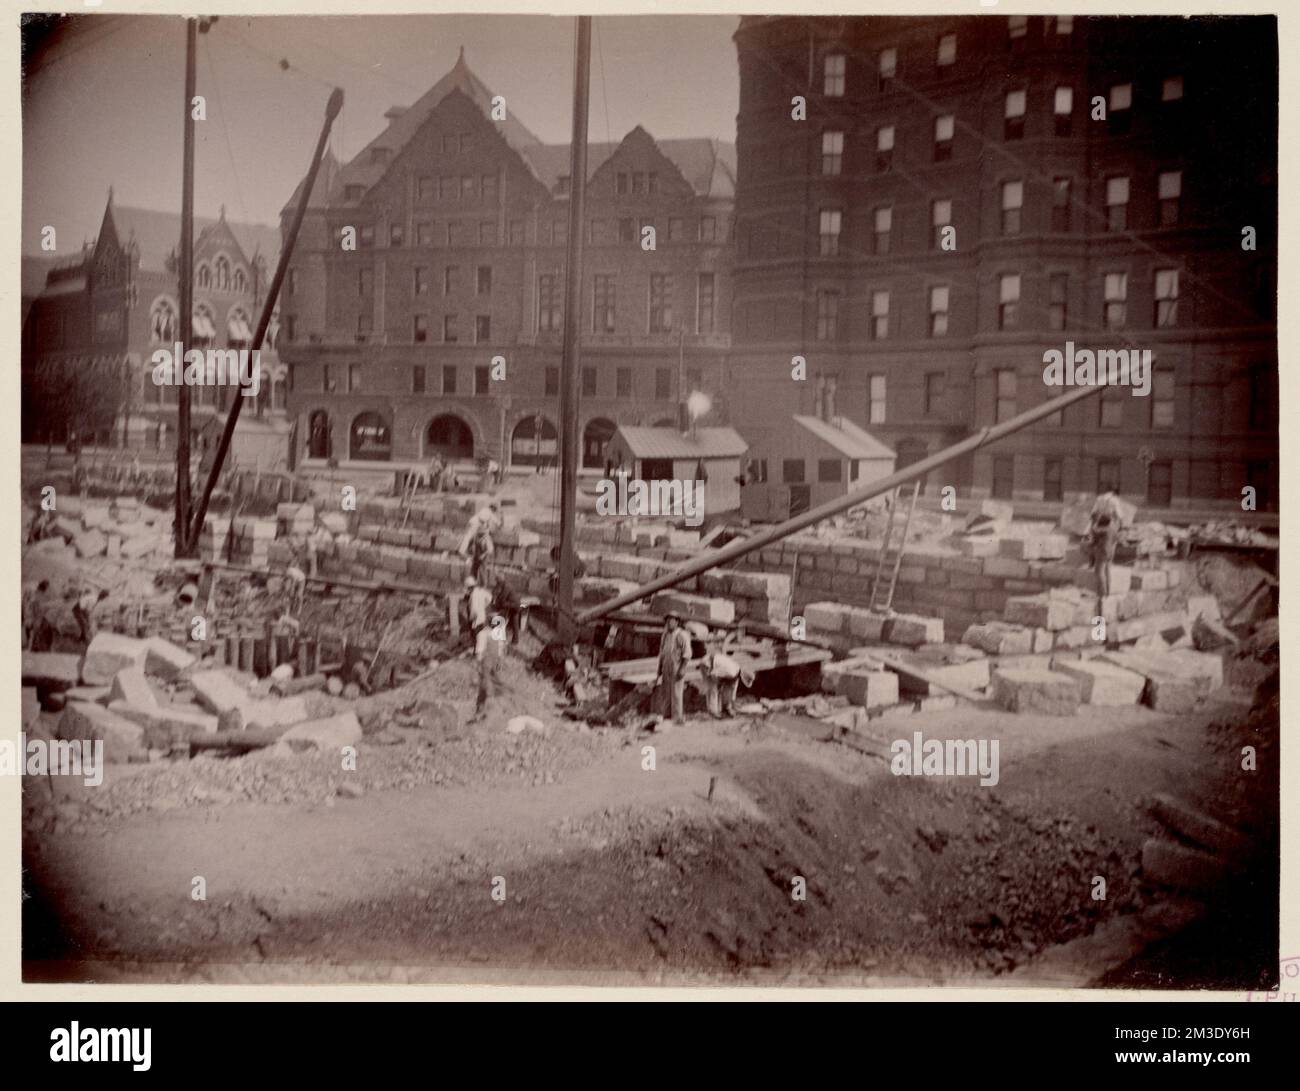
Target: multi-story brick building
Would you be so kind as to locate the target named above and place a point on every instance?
(106, 309)
(1115, 231)
(440, 329)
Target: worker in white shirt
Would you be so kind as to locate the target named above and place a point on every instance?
(480, 602)
(1103, 537)
(721, 675)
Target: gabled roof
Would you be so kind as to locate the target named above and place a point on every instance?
(158, 234)
(669, 443)
(708, 165)
(845, 437)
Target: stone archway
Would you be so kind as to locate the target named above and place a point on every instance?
(450, 437)
(534, 441)
(595, 438)
(320, 442)
(370, 439)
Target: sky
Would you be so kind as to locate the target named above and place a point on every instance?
(102, 99)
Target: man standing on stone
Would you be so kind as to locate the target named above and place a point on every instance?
(480, 601)
(83, 611)
(674, 654)
(1103, 537)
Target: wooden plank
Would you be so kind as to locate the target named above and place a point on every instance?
(636, 671)
(906, 669)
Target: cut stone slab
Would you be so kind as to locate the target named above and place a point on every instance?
(1029, 690)
(95, 694)
(1102, 683)
(1040, 612)
(1202, 606)
(977, 547)
(82, 720)
(912, 631)
(826, 617)
(865, 684)
(89, 543)
(218, 692)
(1133, 628)
(164, 659)
(1199, 827)
(51, 672)
(130, 685)
(109, 653)
(332, 733)
(166, 725)
(946, 664)
(1035, 547)
(275, 712)
(1177, 680)
(999, 638)
(864, 625)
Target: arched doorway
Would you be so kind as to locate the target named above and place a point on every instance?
(534, 442)
(370, 439)
(449, 437)
(595, 437)
(319, 441)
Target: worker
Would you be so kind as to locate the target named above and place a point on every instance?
(721, 675)
(674, 654)
(42, 526)
(491, 473)
(296, 590)
(1103, 537)
(480, 602)
(83, 612)
(34, 619)
(579, 568)
(435, 472)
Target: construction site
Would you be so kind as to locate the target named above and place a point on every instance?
(621, 846)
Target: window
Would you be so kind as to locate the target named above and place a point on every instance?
(943, 131)
(424, 188)
(1171, 89)
(365, 282)
(828, 315)
(1013, 117)
(1004, 477)
(396, 235)
(875, 399)
(420, 280)
(449, 378)
(326, 386)
(603, 303)
(588, 382)
(1117, 203)
(1108, 475)
(1005, 405)
(482, 380)
(1052, 474)
(888, 65)
(792, 471)
(704, 306)
(833, 68)
(365, 323)
(934, 387)
(661, 303)
(1017, 27)
(947, 51)
(939, 310)
(883, 223)
(1166, 293)
(620, 183)
(446, 188)
(353, 192)
(449, 332)
(484, 276)
(1008, 300)
(1058, 292)
(638, 182)
(830, 470)
(626, 230)
(516, 232)
(482, 328)
(467, 187)
(1170, 189)
(354, 378)
(884, 147)
(829, 232)
(1115, 295)
(417, 379)
(424, 234)
(366, 236)
(450, 276)
(291, 282)
(488, 187)
(1111, 408)
(559, 233)
(1063, 110)
(1119, 108)
(663, 384)
(623, 381)
(940, 217)
(879, 315)
(548, 303)
(1060, 204)
(832, 151)
(1162, 399)
(487, 234)
(452, 229)
(676, 229)
(419, 328)
(552, 382)
(1160, 484)
(708, 229)
(1013, 199)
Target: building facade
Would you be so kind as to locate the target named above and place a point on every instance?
(424, 305)
(962, 194)
(90, 333)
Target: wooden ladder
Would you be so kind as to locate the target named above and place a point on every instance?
(891, 553)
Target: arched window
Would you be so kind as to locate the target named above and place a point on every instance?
(204, 276)
(534, 442)
(319, 440)
(223, 273)
(370, 438)
(450, 437)
(204, 333)
(238, 331)
(163, 324)
(241, 281)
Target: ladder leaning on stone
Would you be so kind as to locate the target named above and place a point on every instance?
(891, 554)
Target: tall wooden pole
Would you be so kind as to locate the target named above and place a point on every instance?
(570, 361)
(187, 298)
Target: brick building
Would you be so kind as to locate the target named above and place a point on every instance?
(1115, 232)
(440, 331)
(106, 309)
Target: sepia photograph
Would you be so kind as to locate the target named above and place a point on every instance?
(777, 500)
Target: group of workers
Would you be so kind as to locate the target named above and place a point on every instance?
(719, 669)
